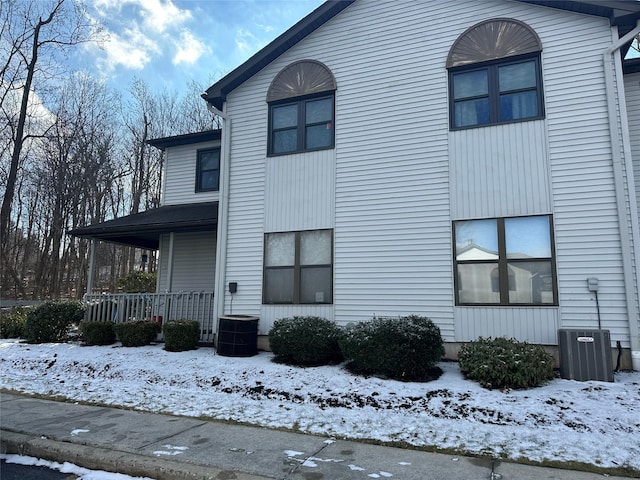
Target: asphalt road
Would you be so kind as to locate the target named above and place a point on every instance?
(13, 471)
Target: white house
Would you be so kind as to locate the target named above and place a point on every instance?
(470, 161)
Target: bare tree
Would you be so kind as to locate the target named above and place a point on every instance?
(32, 30)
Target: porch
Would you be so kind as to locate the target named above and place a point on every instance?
(158, 307)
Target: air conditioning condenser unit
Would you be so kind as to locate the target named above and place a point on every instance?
(585, 354)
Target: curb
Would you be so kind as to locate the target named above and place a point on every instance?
(95, 458)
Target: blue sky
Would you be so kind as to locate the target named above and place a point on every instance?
(169, 42)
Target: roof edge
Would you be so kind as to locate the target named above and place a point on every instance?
(185, 139)
(217, 93)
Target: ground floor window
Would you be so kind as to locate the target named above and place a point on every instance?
(505, 261)
(298, 267)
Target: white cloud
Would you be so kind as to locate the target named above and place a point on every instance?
(190, 49)
(159, 15)
(131, 50)
(246, 41)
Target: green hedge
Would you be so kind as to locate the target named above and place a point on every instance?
(505, 363)
(51, 321)
(305, 341)
(12, 322)
(181, 335)
(404, 348)
(98, 333)
(137, 333)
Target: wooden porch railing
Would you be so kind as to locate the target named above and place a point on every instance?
(160, 307)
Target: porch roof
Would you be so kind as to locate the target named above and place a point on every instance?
(143, 229)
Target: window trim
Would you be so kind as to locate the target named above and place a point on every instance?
(502, 264)
(493, 93)
(200, 171)
(301, 125)
(297, 268)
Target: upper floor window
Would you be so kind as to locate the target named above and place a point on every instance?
(301, 109)
(208, 170)
(495, 75)
(505, 261)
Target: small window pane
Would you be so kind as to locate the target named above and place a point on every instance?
(319, 110)
(517, 77)
(315, 247)
(278, 285)
(285, 141)
(281, 249)
(285, 116)
(209, 180)
(528, 237)
(315, 285)
(476, 283)
(476, 240)
(533, 283)
(519, 105)
(470, 84)
(319, 136)
(209, 160)
(472, 112)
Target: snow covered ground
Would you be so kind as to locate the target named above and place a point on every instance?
(589, 422)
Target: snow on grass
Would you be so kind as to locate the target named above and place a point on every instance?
(592, 422)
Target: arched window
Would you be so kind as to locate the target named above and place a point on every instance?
(301, 108)
(494, 75)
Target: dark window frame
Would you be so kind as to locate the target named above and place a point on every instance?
(200, 171)
(493, 93)
(301, 125)
(502, 263)
(297, 268)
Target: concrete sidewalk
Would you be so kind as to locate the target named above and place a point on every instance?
(175, 448)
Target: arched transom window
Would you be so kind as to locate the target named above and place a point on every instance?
(301, 108)
(494, 75)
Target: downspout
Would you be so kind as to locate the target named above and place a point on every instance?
(621, 156)
(223, 215)
(92, 266)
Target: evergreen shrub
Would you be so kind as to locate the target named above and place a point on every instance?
(138, 282)
(137, 332)
(505, 363)
(51, 321)
(181, 335)
(305, 341)
(404, 348)
(98, 333)
(12, 322)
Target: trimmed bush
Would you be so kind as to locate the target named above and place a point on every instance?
(505, 363)
(12, 322)
(181, 335)
(51, 321)
(98, 333)
(137, 333)
(305, 341)
(405, 348)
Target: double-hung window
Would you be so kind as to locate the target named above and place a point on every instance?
(503, 92)
(301, 109)
(208, 170)
(505, 261)
(495, 75)
(298, 267)
(302, 125)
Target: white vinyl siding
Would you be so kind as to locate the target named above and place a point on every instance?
(180, 175)
(194, 261)
(632, 93)
(401, 177)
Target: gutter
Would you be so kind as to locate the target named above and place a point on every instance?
(223, 216)
(622, 165)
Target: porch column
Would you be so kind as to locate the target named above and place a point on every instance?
(92, 266)
(172, 236)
